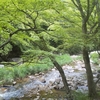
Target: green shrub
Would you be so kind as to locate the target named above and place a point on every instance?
(8, 75)
(94, 57)
(42, 67)
(31, 69)
(20, 71)
(64, 59)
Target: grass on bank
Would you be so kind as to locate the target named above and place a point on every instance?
(80, 96)
(9, 74)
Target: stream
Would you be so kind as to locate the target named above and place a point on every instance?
(44, 86)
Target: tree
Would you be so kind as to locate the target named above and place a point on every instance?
(90, 16)
(28, 24)
(83, 27)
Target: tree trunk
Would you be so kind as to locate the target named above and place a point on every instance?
(67, 89)
(91, 84)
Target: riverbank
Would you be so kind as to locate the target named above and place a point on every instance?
(31, 86)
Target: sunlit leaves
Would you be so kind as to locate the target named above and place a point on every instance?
(50, 19)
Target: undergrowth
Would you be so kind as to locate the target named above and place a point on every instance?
(9, 74)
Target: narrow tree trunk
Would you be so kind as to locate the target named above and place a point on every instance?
(91, 84)
(67, 89)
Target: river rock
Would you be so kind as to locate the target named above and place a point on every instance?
(14, 83)
(41, 73)
(36, 74)
(1, 66)
(41, 87)
(37, 98)
(98, 75)
(38, 93)
(95, 79)
(3, 90)
(69, 67)
(98, 71)
(53, 69)
(43, 80)
(51, 83)
(58, 86)
(57, 81)
(32, 77)
(71, 71)
(94, 73)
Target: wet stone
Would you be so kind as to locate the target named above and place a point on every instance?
(98, 75)
(43, 80)
(57, 81)
(2, 90)
(98, 71)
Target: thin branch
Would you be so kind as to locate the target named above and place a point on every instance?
(97, 29)
(92, 8)
(88, 10)
(97, 81)
(26, 24)
(34, 21)
(81, 9)
(36, 16)
(5, 43)
(18, 30)
(30, 17)
(67, 19)
(79, 6)
(93, 26)
(75, 3)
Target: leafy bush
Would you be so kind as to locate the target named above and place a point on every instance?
(8, 74)
(20, 71)
(64, 59)
(94, 56)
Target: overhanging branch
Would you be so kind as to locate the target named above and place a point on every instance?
(15, 32)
